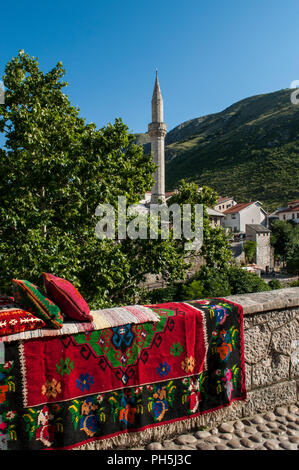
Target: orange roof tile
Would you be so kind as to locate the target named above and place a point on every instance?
(289, 209)
(222, 199)
(237, 207)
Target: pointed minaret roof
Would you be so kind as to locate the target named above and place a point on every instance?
(157, 102)
(157, 95)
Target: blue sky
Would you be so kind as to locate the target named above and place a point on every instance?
(209, 54)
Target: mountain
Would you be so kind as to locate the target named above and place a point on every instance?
(249, 151)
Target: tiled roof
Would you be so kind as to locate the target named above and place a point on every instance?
(237, 208)
(289, 209)
(223, 199)
(214, 212)
(259, 228)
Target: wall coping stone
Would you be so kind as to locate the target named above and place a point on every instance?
(266, 301)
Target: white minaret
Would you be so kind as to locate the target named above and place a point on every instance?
(157, 131)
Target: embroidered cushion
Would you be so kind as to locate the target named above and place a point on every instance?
(29, 296)
(14, 319)
(4, 299)
(67, 297)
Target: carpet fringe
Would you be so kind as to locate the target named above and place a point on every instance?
(164, 431)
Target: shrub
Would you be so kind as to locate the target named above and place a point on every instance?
(194, 291)
(242, 282)
(250, 250)
(293, 262)
(275, 284)
(171, 293)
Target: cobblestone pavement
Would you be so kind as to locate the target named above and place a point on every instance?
(278, 430)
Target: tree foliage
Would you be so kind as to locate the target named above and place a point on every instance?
(209, 282)
(250, 250)
(285, 240)
(55, 170)
(216, 248)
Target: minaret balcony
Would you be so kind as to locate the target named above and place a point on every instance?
(157, 129)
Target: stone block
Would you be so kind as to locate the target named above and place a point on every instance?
(270, 370)
(276, 319)
(268, 398)
(256, 341)
(248, 322)
(283, 338)
(294, 372)
(248, 376)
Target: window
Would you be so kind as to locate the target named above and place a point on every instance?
(234, 216)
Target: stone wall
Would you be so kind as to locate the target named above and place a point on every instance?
(271, 341)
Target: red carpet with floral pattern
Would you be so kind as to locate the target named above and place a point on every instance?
(66, 391)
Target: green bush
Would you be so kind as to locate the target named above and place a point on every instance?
(194, 290)
(293, 261)
(243, 282)
(275, 284)
(220, 283)
(213, 282)
(294, 283)
(250, 250)
(170, 293)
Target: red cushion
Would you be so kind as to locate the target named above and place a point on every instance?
(66, 296)
(14, 319)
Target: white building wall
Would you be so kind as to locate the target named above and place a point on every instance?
(232, 221)
(250, 215)
(289, 216)
(223, 206)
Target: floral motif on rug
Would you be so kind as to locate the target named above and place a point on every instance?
(188, 364)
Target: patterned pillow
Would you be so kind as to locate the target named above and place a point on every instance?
(30, 297)
(4, 299)
(14, 319)
(67, 297)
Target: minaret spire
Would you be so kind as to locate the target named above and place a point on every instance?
(157, 130)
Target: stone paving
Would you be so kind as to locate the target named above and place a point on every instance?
(278, 430)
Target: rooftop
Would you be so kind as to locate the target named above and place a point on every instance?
(259, 228)
(223, 199)
(214, 212)
(237, 208)
(288, 209)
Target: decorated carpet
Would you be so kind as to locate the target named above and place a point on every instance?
(68, 391)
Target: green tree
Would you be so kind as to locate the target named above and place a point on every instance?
(216, 247)
(54, 171)
(293, 261)
(215, 282)
(283, 238)
(250, 250)
(275, 284)
(243, 282)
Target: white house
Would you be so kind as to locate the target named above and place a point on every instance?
(291, 212)
(224, 203)
(239, 215)
(215, 216)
